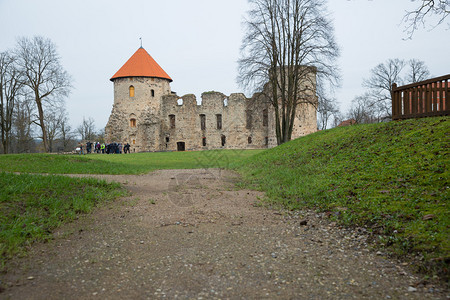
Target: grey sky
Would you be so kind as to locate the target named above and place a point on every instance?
(197, 42)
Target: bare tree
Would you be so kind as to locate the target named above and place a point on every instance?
(54, 119)
(87, 129)
(101, 135)
(418, 71)
(363, 110)
(22, 131)
(380, 84)
(424, 11)
(10, 88)
(45, 77)
(326, 111)
(338, 118)
(287, 42)
(67, 136)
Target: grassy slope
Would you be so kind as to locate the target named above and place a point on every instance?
(136, 163)
(31, 206)
(384, 176)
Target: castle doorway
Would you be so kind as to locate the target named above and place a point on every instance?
(181, 146)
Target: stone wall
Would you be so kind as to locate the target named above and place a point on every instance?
(155, 119)
(234, 130)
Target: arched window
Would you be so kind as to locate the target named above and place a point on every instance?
(131, 91)
(132, 122)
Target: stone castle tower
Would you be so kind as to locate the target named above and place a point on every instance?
(149, 116)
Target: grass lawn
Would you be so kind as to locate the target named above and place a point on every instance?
(31, 206)
(135, 163)
(391, 177)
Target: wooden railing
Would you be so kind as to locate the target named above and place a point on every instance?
(422, 99)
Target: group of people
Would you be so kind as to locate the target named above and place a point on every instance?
(111, 148)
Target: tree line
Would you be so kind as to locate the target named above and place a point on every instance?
(33, 89)
(375, 104)
(287, 40)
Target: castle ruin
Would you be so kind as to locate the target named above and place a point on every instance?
(149, 116)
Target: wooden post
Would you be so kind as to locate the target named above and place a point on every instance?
(447, 96)
(395, 100)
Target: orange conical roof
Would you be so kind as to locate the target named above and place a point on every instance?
(141, 64)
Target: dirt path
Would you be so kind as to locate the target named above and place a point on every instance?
(191, 234)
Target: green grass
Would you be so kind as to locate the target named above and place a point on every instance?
(135, 163)
(385, 176)
(31, 206)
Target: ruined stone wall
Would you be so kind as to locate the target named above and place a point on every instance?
(234, 132)
(164, 121)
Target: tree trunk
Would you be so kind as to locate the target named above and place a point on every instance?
(41, 123)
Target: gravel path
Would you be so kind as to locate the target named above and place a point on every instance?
(190, 234)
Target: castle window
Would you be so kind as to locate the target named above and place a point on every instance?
(203, 122)
(267, 140)
(134, 142)
(204, 141)
(219, 121)
(225, 102)
(153, 93)
(131, 89)
(132, 122)
(249, 119)
(167, 139)
(172, 121)
(265, 118)
(249, 139)
(224, 140)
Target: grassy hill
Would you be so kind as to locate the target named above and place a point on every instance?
(392, 178)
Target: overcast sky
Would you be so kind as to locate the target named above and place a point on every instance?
(197, 42)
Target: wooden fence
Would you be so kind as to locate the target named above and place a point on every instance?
(422, 99)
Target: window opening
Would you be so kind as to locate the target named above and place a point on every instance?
(219, 121)
(167, 139)
(204, 141)
(249, 139)
(224, 140)
(172, 121)
(249, 119)
(203, 122)
(131, 90)
(265, 118)
(267, 140)
(132, 122)
(153, 93)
